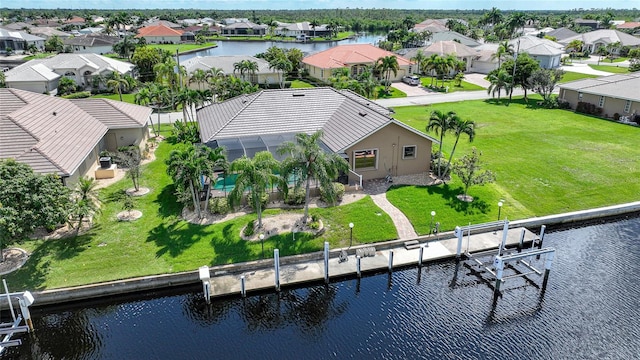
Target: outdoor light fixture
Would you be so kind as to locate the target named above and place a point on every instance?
(500, 203)
(351, 234)
(262, 242)
(433, 214)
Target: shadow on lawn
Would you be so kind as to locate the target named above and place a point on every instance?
(176, 237)
(168, 206)
(450, 194)
(530, 103)
(33, 274)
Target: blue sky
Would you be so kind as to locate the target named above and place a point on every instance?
(319, 4)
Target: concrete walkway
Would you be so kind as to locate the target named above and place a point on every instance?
(401, 222)
(585, 69)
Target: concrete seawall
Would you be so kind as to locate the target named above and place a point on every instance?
(147, 283)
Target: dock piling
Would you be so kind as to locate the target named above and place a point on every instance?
(206, 285)
(243, 286)
(326, 262)
(358, 268)
(420, 256)
(276, 261)
(390, 260)
(459, 234)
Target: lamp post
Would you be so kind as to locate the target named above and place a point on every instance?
(262, 242)
(433, 214)
(499, 209)
(350, 234)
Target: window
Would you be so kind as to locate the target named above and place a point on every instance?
(365, 159)
(601, 103)
(409, 152)
(579, 96)
(627, 106)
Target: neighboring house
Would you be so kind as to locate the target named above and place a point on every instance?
(169, 24)
(432, 25)
(160, 34)
(91, 44)
(302, 28)
(47, 32)
(561, 33)
(19, 41)
(546, 52)
(17, 26)
(264, 75)
(355, 57)
(595, 39)
(65, 137)
(453, 36)
(75, 21)
(593, 24)
(43, 75)
(361, 131)
(444, 48)
(91, 30)
(245, 28)
(632, 28)
(613, 94)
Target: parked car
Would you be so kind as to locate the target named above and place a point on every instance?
(411, 79)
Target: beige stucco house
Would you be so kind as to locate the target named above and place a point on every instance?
(355, 57)
(615, 94)
(263, 76)
(65, 137)
(361, 131)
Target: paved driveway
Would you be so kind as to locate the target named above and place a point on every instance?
(410, 90)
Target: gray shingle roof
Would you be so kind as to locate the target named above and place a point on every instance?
(56, 135)
(562, 33)
(607, 36)
(115, 114)
(452, 35)
(345, 117)
(36, 69)
(622, 86)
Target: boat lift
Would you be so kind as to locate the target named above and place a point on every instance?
(8, 329)
(523, 258)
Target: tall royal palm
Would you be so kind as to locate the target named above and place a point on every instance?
(185, 166)
(439, 122)
(254, 174)
(459, 126)
(504, 49)
(308, 161)
(419, 58)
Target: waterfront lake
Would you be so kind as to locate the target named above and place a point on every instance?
(441, 311)
(230, 47)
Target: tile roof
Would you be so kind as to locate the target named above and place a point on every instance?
(607, 36)
(56, 135)
(629, 25)
(561, 33)
(451, 35)
(623, 86)
(16, 34)
(49, 31)
(345, 117)
(345, 55)
(96, 39)
(449, 47)
(158, 30)
(225, 62)
(40, 69)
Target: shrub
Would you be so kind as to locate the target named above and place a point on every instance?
(563, 104)
(186, 133)
(249, 229)
(332, 195)
(78, 95)
(295, 197)
(587, 108)
(264, 199)
(616, 116)
(219, 205)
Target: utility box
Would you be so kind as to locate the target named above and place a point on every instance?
(105, 162)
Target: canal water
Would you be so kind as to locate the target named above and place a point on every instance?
(255, 47)
(442, 311)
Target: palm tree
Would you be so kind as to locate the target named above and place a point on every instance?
(430, 65)
(419, 58)
(386, 65)
(117, 83)
(440, 122)
(215, 159)
(459, 127)
(503, 49)
(85, 200)
(198, 76)
(313, 24)
(575, 46)
(500, 79)
(309, 161)
(255, 174)
(516, 20)
(185, 167)
(282, 64)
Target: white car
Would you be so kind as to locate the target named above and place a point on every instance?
(411, 79)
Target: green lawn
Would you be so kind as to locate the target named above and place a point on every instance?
(160, 242)
(464, 86)
(299, 84)
(610, 68)
(393, 93)
(40, 56)
(572, 76)
(128, 98)
(181, 47)
(546, 162)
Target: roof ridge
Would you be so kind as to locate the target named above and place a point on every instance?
(22, 127)
(255, 96)
(37, 149)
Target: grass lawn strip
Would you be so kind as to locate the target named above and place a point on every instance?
(610, 68)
